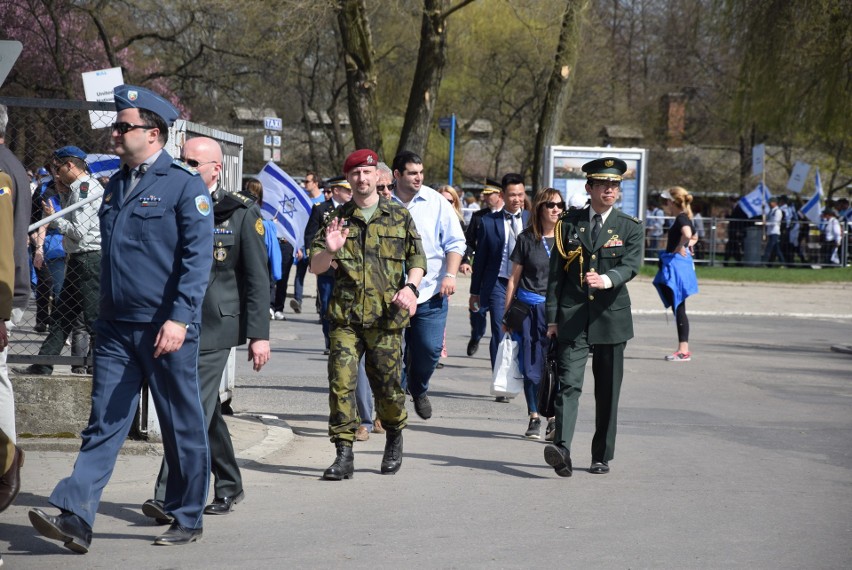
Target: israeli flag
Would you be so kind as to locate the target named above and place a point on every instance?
(103, 164)
(752, 202)
(813, 208)
(285, 203)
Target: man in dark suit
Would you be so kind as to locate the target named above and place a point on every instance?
(341, 192)
(491, 266)
(492, 195)
(234, 309)
(599, 251)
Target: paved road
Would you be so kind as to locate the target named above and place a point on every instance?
(740, 458)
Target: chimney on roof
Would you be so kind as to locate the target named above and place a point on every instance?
(673, 106)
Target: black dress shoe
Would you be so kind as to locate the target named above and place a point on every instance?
(344, 464)
(472, 347)
(501, 400)
(559, 458)
(392, 459)
(224, 505)
(599, 468)
(154, 509)
(33, 370)
(423, 406)
(10, 481)
(67, 528)
(178, 536)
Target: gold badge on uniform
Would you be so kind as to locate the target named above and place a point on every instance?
(258, 226)
(609, 163)
(220, 253)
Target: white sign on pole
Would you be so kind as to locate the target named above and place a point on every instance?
(798, 176)
(276, 140)
(276, 155)
(272, 123)
(758, 155)
(267, 140)
(99, 86)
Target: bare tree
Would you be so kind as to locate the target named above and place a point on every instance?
(558, 86)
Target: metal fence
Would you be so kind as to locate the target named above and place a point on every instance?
(36, 128)
(732, 243)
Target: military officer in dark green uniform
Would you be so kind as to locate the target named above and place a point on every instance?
(599, 251)
(375, 249)
(235, 309)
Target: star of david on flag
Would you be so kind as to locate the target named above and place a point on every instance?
(751, 203)
(285, 203)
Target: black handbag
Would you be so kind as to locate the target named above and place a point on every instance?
(514, 317)
(549, 385)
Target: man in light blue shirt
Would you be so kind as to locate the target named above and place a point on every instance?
(444, 245)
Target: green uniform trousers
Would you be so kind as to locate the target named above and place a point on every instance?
(608, 369)
(382, 352)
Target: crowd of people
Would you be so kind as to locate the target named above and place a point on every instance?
(385, 249)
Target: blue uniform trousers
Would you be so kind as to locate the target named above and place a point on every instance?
(123, 356)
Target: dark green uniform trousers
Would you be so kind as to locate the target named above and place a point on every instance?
(223, 464)
(382, 351)
(608, 370)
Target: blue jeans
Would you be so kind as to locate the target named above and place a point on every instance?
(496, 308)
(364, 397)
(325, 286)
(424, 339)
(299, 282)
(773, 249)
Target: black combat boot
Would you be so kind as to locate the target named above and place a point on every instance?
(392, 459)
(344, 465)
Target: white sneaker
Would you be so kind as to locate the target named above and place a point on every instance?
(279, 316)
(679, 357)
(271, 314)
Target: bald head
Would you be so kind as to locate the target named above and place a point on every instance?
(205, 155)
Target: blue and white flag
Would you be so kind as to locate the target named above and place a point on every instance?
(103, 164)
(285, 203)
(813, 208)
(752, 202)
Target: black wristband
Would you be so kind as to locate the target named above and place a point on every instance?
(414, 289)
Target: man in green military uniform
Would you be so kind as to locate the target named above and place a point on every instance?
(235, 309)
(599, 251)
(378, 261)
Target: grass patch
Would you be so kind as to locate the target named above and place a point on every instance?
(803, 275)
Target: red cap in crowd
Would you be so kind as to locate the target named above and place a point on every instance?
(361, 157)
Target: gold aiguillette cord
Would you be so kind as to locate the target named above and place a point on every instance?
(571, 255)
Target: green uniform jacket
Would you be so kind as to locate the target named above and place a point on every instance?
(372, 265)
(236, 304)
(605, 313)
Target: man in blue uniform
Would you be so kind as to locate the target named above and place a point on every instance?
(156, 238)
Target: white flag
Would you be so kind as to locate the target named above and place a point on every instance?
(286, 203)
(798, 176)
(758, 155)
(103, 164)
(756, 202)
(813, 208)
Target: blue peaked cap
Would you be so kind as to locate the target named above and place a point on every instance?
(133, 97)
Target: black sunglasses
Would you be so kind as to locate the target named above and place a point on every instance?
(381, 187)
(124, 128)
(560, 205)
(195, 164)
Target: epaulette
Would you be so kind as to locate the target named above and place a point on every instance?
(241, 201)
(629, 217)
(184, 166)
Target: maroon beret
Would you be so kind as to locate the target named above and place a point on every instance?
(361, 157)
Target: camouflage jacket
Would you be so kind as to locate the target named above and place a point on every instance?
(372, 265)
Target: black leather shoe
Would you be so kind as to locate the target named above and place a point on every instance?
(559, 458)
(178, 536)
(472, 347)
(343, 466)
(154, 509)
(501, 400)
(67, 528)
(599, 468)
(224, 505)
(392, 459)
(10, 481)
(33, 370)
(422, 406)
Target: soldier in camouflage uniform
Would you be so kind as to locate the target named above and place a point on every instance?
(371, 243)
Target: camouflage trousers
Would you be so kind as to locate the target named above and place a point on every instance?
(382, 352)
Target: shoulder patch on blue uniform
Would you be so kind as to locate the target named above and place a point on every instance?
(202, 204)
(184, 166)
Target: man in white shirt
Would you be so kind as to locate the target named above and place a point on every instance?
(773, 233)
(443, 244)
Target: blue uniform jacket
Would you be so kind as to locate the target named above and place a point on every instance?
(155, 259)
(489, 253)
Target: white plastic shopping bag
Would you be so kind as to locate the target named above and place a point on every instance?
(507, 379)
